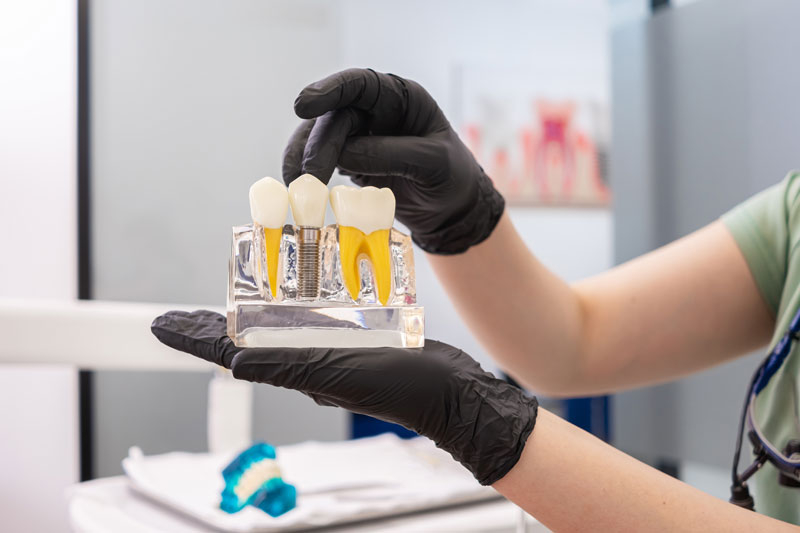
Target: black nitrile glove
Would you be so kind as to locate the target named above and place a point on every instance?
(385, 131)
(437, 391)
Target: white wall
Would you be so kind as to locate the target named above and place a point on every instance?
(38, 406)
(37, 148)
(425, 40)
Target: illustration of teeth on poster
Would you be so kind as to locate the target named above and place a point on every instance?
(540, 132)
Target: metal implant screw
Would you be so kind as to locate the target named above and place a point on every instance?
(308, 263)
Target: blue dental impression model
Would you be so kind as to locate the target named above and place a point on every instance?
(253, 478)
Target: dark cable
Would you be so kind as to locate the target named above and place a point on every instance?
(737, 453)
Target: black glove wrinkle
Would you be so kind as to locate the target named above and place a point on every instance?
(371, 107)
(525, 425)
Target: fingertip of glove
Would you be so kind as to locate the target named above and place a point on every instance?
(173, 323)
(165, 326)
(301, 106)
(337, 90)
(308, 104)
(161, 324)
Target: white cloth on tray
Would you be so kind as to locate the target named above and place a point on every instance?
(337, 482)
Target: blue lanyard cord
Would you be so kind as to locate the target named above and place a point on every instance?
(760, 379)
(778, 355)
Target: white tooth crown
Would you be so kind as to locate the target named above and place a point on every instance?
(368, 209)
(269, 203)
(308, 197)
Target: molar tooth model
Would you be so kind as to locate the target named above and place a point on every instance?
(349, 284)
(365, 217)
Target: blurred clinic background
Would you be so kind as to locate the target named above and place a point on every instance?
(131, 131)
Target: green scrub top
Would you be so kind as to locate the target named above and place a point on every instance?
(767, 229)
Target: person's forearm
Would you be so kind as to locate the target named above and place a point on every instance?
(525, 316)
(571, 481)
(678, 309)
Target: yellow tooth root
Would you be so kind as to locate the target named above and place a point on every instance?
(352, 244)
(378, 251)
(351, 241)
(272, 245)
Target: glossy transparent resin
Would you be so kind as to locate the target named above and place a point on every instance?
(333, 318)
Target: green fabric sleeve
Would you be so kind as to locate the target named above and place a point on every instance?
(762, 227)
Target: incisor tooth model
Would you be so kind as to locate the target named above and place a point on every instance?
(308, 197)
(365, 217)
(269, 203)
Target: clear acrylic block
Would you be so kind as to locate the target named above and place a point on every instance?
(333, 319)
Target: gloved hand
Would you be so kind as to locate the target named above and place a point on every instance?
(437, 391)
(386, 131)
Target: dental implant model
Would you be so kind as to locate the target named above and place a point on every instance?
(349, 284)
(308, 197)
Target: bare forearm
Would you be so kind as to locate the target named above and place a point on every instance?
(682, 308)
(571, 481)
(524, 315)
